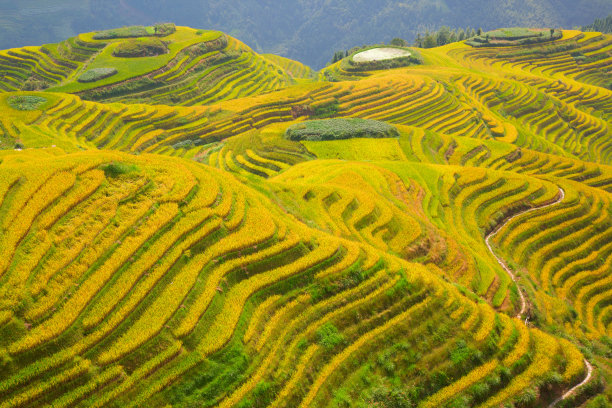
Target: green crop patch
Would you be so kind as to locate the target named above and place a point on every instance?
(97, 74)
(26, 102)
(116, 169)
(136, 31)
(504, 37)
(141, 47)
(337, 129)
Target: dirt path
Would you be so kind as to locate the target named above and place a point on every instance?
(501, 261)
(523, 309)
(572, 390)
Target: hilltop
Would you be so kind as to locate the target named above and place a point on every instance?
(187, 222)
(308, 31)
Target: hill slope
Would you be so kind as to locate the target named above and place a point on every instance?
(198, 256)
(195, 67)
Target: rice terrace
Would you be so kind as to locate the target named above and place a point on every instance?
(185, 222)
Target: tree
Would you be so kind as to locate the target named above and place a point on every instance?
(480, 31)
(418, 41)
(338, 55)
(444, 36)
(430, 40)
(399, 42)
(461, 34)
(552, 32)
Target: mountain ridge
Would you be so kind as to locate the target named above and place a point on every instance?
(307, 31)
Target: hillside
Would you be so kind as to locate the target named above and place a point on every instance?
(309, 31)
(197, 224)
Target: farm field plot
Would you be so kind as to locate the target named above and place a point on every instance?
(185, 222)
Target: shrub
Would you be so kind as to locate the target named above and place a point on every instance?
(34, 84)
(399, 42)
(336, 129)
(141, 47)
(326, 110)
(124, 32)
(328, 336)
(514, 36)
(600, 401)
(160, 30)
(97, 74)
(164, 29)
(116, 169)
(26, 102)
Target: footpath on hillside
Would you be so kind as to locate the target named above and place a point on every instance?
(523, 299)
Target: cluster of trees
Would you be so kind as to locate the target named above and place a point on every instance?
(603, 25)
(445, 35)
(339, 55)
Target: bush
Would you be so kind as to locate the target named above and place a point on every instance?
(328, 336)
(115, 169)
(34, 84)
(514, 36)
(26, 102)
(124, 32)
(97, 74)
(336, 129)
(141, 47)
(326, 110)
(160, 30)
(164, 29)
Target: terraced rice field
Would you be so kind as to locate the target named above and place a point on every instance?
(153, 254)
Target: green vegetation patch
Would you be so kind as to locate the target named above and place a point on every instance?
(514, 36)
(97, 74)
(136, 31)
(116, 169)
(26, 102)
(328, 336)
(337, 129)
(141, 47)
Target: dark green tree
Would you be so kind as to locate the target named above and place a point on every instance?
(430, 40)
(443, 36)
(338, 55)
(399, 42)
(418, 41)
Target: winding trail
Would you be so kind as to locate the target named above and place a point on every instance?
(501, 261)
(572, 390)
(523, 309)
